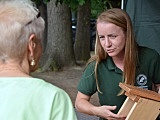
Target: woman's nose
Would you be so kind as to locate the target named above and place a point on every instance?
(107, 42)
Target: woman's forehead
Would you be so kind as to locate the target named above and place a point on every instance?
(109, 28)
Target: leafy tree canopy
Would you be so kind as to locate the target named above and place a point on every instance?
(97, 6)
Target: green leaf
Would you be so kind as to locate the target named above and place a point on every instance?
(81, 2)
(46, 1)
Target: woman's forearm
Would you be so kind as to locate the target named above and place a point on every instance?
(86, 107)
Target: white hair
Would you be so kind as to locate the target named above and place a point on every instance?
(18, 20)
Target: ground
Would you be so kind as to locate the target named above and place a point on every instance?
(67, 79)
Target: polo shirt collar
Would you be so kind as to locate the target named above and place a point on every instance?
(112, 66)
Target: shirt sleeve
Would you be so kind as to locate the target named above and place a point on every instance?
(62, 108)
(156, 74)
(87, 83)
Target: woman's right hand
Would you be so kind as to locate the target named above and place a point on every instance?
(83, 105)
(105, 112)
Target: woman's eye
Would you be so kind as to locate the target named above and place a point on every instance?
(112, 36)
(101, 37)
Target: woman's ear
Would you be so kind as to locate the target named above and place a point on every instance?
(31, 44)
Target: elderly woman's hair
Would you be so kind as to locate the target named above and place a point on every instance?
(18, 20)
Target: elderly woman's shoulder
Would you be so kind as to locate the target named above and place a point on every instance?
(42, 86)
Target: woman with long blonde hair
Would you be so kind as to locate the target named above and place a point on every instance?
(118, 58)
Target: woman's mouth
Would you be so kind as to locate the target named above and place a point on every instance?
(110, 50)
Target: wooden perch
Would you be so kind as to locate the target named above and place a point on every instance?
(140, 104)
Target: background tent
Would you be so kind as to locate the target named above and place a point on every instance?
(145, 16)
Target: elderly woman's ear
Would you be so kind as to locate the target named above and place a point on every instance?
(31, 44)
(31, 52)
(34, 52)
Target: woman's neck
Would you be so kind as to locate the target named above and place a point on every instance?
(119, 61)
(13, 70)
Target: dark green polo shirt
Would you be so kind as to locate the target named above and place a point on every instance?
(109, 76)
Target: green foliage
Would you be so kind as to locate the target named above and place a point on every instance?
(73, 4)
(45, 1)
(81, 2)
(98, 6)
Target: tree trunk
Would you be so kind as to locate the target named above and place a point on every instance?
(82, 41)
(43, 11)
(59, 49)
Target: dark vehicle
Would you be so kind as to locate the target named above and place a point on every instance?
(93, 35)
(73, 29)
(92, 32)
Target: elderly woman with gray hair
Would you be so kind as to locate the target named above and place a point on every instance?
(23, 97)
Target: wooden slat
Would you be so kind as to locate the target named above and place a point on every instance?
(126, 107)
(134, 98)
(145, 109)
(140, 92)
